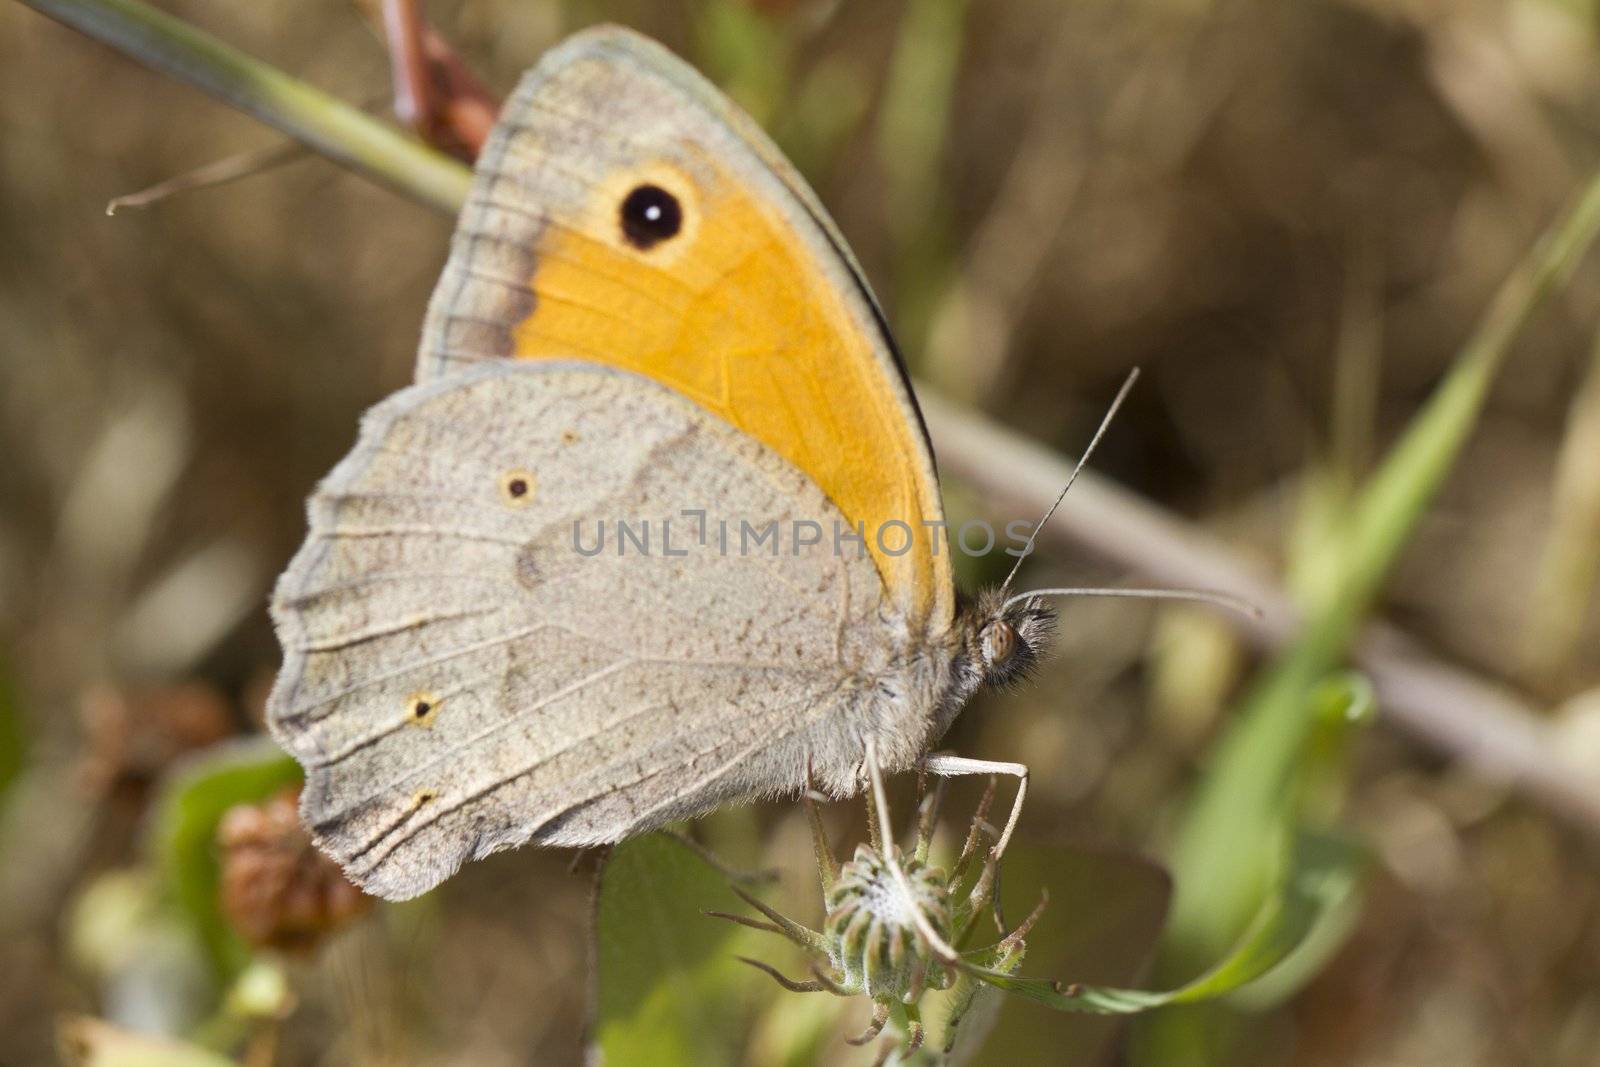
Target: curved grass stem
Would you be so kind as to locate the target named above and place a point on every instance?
(323, 123)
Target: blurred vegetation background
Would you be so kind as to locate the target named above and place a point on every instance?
(1290, 215)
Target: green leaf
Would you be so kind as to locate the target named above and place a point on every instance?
(1106, 912)
(1345, 860)
(960, 1019)
(1342, 706)
(192, 802)
(1309, 791)
(669, 990)
(1320, 880)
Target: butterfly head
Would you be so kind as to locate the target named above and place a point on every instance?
(1006, 637)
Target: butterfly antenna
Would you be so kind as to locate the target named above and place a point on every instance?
(1111, 413)
(1202, 596)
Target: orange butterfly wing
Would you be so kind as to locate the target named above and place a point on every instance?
(753, 306)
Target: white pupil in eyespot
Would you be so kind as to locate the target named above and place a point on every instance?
(653, 212)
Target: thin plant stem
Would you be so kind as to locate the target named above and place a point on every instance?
(324, 124)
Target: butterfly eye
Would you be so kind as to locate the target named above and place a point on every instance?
(650, 215)
(999, 641)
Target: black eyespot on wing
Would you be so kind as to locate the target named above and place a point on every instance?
(650, 215)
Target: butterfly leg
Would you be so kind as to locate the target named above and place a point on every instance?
(827, 863)
(736, 875)
(879, 807)
(953, 766)
(948, 766)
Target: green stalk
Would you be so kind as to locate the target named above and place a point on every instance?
(322, 123)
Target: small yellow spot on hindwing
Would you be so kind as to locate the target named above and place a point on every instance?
(421, 708)
(516, 488)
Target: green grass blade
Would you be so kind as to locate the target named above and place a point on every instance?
(913, 135)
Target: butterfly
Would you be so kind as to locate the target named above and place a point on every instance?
(648, 325)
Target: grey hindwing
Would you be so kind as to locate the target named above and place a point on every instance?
(459, 678)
